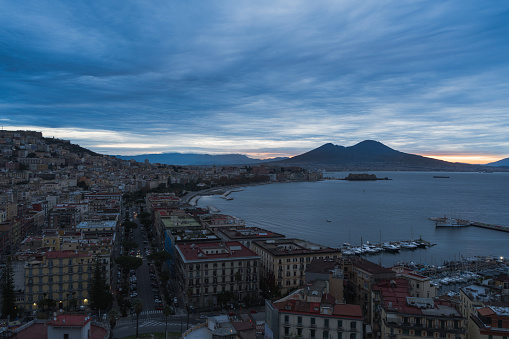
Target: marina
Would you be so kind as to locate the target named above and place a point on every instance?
(390, 247)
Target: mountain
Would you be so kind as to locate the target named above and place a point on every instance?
(370, 155)
(190, 159)
(503, 162)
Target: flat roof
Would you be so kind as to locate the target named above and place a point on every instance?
(213, 251)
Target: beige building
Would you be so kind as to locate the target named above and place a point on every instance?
(212, 272)
(59, 275)
(420, 285)
(287, 259)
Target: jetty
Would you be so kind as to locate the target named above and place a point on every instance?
(445, 221)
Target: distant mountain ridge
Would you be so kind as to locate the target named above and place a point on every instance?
(192, 159)
(500, 163)
(370, 155)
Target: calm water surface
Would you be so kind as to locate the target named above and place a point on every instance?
(391, 210)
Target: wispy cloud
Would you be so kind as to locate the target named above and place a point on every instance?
(244, 76)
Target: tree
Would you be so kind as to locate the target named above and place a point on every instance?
(100, 296)
(128, 262)
(129, 245)
(8, 295)
(138, 307)
(130, 225)
(167, 310)
(159, 257)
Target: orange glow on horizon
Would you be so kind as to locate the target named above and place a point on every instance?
(474, 159)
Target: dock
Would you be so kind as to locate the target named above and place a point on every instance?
(490, 226)
(453, 222)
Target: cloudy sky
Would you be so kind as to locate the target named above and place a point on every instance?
(263, 78)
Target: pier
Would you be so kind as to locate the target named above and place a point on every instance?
(453, 222)
(490, 226)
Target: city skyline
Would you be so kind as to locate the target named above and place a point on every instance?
(264, 79)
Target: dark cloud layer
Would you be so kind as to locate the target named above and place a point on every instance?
(241, 76)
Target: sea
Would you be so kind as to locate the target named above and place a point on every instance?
(334, 212)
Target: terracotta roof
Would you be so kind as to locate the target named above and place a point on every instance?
(69, 320)
(214, 251)
(486, 311)
(243, 325)
(348, 310)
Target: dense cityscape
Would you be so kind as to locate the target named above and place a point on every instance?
(95, 247)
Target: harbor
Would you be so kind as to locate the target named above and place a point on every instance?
(389, 247)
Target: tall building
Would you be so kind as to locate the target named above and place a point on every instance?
(311, 312)
(62, 276)
(286, 259)
(210, 272)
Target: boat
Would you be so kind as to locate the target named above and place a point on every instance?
(449, 222)
(441, 177)
(328, 220)
(408, 245)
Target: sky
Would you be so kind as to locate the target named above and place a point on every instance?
(261, 78)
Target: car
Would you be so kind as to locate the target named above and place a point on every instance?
(253, 311)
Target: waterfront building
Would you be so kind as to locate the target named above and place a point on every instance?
(175, 236)
(361, 275)
(216, 221)
(311, 312)
(210, 272)
(329, 271)
(398, 315)
(420, 285)
(287, 259)
(246, 235)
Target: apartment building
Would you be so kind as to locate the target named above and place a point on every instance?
(286, 259)
(246, 235)
(312, 313)
(212, 270)
(398, 315)
(59, 275)
(489, 322)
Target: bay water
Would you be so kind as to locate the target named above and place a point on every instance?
(333, 212)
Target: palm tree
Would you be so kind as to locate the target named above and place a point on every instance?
(167, 310)
(138, 307)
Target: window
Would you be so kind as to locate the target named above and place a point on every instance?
(353, 335)
(287, 319)
(313, 322)
(287, 330)
(340, 323)
(326, 323)
(325, 334)
(353, 325)
(312, 333)
(340, 335)
(299, 321)
(66, 336)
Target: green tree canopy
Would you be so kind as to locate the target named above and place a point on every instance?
(130, 225)
(159, 257)
(131, 263)
(129, 245)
